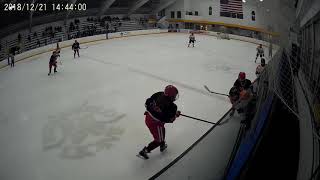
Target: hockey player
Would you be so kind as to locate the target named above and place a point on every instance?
(57, 50)
(12, 60)
(240, 105)
(192, 39)
(76, 47)
(260, 52)
(160, 109)
(260, 67)
(242, 83)
(53, 62)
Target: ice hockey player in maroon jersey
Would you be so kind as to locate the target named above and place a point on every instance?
(76, 47)
(242, 82)
(160, 109)
(53, 62)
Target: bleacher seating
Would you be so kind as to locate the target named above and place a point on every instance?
(87, 26)
(130, 26)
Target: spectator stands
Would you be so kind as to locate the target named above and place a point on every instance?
(59, 31)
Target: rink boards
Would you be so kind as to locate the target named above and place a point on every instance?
(91, 39)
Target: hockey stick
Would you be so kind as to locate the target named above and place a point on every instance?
(206, 87)
(197, 119)
(86, 47)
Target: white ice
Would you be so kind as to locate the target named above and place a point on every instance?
(86, 121)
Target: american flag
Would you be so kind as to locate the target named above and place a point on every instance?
(231, 8)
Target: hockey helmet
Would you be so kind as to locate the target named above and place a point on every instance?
(242, 76)
(171, 91)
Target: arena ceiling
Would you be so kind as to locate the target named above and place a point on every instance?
(94, 8)
(103, 5)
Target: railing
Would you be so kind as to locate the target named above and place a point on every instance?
(306, 64)
(280, 79)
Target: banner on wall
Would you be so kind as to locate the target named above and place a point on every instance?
(231, 8)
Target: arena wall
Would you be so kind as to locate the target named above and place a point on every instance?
(90, 39)
(270, 16)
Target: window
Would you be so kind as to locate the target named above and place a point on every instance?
(172, 14)
(162, 13)
(196, 13)
(210, 10)
(179, 14)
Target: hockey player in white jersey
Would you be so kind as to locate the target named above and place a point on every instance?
(260, 52)
(192, 39)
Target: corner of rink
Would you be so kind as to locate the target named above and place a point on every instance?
(208, 157)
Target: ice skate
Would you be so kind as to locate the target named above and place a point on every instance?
(143, 153)
(163, 147)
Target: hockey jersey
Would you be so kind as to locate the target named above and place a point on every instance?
(259, 70)
(161, 108)
(76, 46)
(260, 50)
(234, 94)
(245, 84)
(53, 59)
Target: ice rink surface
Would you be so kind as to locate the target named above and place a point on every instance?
(86, 121)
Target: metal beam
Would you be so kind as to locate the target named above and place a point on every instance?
(163, 5)
(136, 6)
(106, 5)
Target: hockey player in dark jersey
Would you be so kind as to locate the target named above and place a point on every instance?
(53, 62)
(76, 47)
(160, 109)
(192, 39)
(242, 83)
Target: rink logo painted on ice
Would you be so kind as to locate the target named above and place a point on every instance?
(82, 132)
